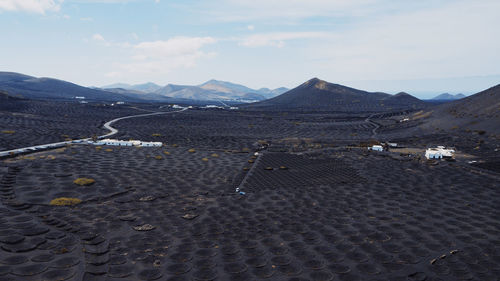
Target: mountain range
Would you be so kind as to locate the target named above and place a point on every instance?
(317, 94)
(30, 87)
(475, 112)
(146, 87)
(449, 97)
(214, 90)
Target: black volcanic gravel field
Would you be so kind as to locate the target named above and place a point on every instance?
(238, 130)
(27, 123)
(310, 209)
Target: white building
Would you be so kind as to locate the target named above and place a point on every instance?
(212, 106)
(376, 148)
(177, 106)
(439, 153)
(115, 142)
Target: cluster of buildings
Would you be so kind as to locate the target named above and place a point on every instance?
(439, 152)
(208, 106)
(383, 146)
(115, 142)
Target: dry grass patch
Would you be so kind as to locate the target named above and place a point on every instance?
(421, 114)
(9, 132)
(84, 181)
(204, 159)
(159, 157)
(192, 150)
(65, 201)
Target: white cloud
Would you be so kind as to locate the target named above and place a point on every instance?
(161, 57)
(98, 37)
(277, 39)
(458, 39)
(31, 6)
(250, 27)
(288, 10)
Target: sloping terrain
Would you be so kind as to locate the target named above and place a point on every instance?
(48, 88)
(480, 112)
(145, 88)
(315, 206)
(140, 95)
(317, 94)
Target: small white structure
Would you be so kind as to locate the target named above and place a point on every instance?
(177, 106)
(376, 148)
(120, 102)
(114, 142)
(80, 98)
(82, 101)
(212, 106)
(439, 153)
(404, 120)
(392, 144)
(233, 108)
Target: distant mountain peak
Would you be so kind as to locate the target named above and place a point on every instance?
(447, 96)
(317, 94)
(402, 94)
(313, 82)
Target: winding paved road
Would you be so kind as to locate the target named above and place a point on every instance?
(374, 131)
(107, 126)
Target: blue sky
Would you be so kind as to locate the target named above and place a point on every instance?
(421, 47)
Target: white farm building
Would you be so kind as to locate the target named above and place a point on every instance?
(376, 148)
(115, 142)
(439, 153)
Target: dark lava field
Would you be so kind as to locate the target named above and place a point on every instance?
(244, 195)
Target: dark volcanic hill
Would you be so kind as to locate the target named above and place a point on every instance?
(317, 94)
(47, 88)
(480, 111)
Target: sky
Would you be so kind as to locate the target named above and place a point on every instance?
(423, 47)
